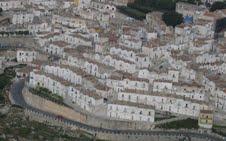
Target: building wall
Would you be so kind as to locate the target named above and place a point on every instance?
(26, 56)
(126, 112)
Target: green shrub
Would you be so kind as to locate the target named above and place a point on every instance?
(172, 18)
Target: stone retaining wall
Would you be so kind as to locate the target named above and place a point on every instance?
(118, 136)
(51, 107)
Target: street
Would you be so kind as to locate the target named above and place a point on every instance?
(16, 91)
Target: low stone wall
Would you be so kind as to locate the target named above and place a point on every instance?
(51, 107)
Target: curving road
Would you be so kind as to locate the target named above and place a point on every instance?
(16, 93)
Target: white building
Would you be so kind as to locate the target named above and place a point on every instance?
(26, 55)
(56, 47)
(86, 99)
(73, 22)
(121, 81)
(162, 86)
(164, 102)
(22, 18)
(12, 4)
(121, 110)
(83, 97)
(71, 74)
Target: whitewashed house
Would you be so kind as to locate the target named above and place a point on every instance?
(121, 110)
(56, 47)
(26, 55)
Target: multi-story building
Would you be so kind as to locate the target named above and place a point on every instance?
(26, 55)
(122, 110)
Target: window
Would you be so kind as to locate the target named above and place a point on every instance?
(157, 86)
(166, 87)
(140, 112)
(149, 113)
(143, 85)
(186, 106)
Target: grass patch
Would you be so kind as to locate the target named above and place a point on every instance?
(24, 131)
(163, 118)
(20, 66)
(187, 124)
(45, 93)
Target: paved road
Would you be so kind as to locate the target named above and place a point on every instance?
(16, 91)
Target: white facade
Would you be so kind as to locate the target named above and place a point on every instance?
(163, 102)
(56, 47)
(130, 111)
(11, 4)
(70, 74)
(119, 84)
(22, 18)
(69, 21)
(161, 86)
(25, 56)
(84, 98)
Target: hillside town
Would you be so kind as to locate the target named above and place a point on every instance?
(106, 64)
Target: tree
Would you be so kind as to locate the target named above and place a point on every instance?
(166, 5)
(172, 18)
(217, 5)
